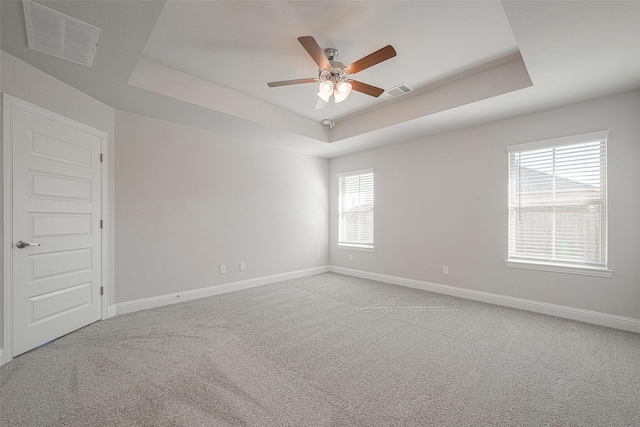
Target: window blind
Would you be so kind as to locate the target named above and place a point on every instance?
(558, 201)
(355, 208)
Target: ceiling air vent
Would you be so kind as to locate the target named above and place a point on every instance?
(60, 35)
(397, 91)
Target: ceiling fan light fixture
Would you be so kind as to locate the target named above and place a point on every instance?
(338, 97)
(324, 96)
(325, 89)
(342, 91)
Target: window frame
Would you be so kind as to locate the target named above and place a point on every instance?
(363, 247)
(553, 265)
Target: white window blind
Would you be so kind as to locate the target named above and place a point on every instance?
(355, 208)
(558, 201)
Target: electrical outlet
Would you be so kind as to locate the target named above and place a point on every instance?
(445, 269)
(223, 269)
(243, 266)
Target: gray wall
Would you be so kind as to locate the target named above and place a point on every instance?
(442, 200)
(184, 201)
(32, 85)
(189, 200)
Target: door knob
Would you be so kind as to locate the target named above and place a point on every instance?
(22, 245)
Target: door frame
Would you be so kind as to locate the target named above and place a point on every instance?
(9, 103)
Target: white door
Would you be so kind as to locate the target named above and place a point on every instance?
(56, 252)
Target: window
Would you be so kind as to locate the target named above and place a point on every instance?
(355, 209)
(558, 204)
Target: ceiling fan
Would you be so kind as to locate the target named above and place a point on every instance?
(334, 77)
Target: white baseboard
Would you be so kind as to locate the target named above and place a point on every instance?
(1, 357)
(587, 316)
(111, 311)
(159, 301)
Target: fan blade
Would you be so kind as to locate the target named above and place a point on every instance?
(291, 82)
(315, 51)
(366, 89)
(372, 59)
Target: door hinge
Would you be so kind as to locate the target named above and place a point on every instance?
(101, 290)
(101, 223)
(101, 157)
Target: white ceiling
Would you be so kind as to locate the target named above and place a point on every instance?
(244, 45)
(206, 63)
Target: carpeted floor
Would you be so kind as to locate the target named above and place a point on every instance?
(328, 350)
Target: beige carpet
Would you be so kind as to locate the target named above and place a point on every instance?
(328, 350)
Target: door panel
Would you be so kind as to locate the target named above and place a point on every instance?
(57, 187)
(46, 146)
(60, 302)
(56, 204)
(46, 224)
(48, 265)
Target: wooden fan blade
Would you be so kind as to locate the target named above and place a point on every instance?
(315, 51)
(366, 89)
(291, 82)
(372, 59)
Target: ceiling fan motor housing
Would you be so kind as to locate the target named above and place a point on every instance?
(338, 71)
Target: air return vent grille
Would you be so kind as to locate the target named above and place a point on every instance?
(397, 91)
(60, 35)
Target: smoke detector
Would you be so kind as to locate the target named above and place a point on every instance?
(329, 122)
(57, 34)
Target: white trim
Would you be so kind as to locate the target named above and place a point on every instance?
(558, 268)
(356, 247)
(111, 311)
(104, 204)
(10, 102)
(587, 316)
(2, 362)
(565, 140)
(7, 241)
(354, 173)
(161, 300)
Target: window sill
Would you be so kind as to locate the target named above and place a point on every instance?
(559, 268)
(360, 248)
